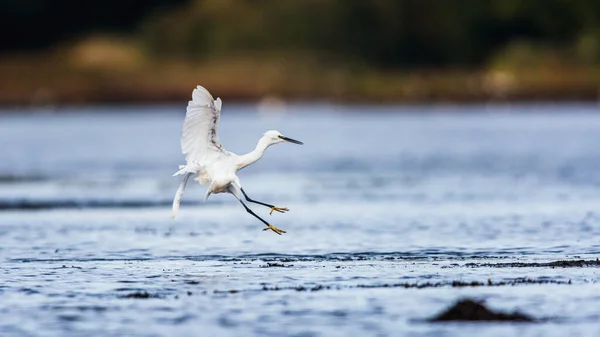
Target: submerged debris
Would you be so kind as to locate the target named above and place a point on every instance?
(320, 287)
(140, 294)
(416, 285)
(470, 310)
(274, 264)
(554, 264)
(302, 288)
(457, 284)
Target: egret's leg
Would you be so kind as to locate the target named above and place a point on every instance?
(273, 208)
(269, 227)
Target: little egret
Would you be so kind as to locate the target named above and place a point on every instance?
(206, 156)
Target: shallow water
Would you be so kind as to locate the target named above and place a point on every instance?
(387, 210)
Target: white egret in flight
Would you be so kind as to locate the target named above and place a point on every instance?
(206, 156)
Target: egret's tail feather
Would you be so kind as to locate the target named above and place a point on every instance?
(202, 178)
(179, 194)
(182, 170)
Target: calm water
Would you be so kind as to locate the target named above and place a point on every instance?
(426, 196)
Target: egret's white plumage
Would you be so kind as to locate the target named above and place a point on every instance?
(200, 140)
(206, 156)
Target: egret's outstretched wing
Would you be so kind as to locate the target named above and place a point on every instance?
(200, 141)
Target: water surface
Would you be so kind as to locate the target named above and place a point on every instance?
(389, 206)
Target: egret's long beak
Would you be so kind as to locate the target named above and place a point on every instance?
(291, 140)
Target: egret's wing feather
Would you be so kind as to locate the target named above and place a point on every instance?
(179, 194)
(218, 104)
(200, 140)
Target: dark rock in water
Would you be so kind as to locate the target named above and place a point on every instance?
(469, 310)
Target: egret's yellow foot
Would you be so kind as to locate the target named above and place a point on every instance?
(278, 209)
(274, 229)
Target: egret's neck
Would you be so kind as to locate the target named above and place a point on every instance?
(251, 157)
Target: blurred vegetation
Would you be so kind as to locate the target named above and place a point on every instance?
(423, 33)
(414, 50)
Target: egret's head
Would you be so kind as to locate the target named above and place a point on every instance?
(276, 137)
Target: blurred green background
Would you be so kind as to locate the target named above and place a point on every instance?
(67, 51)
